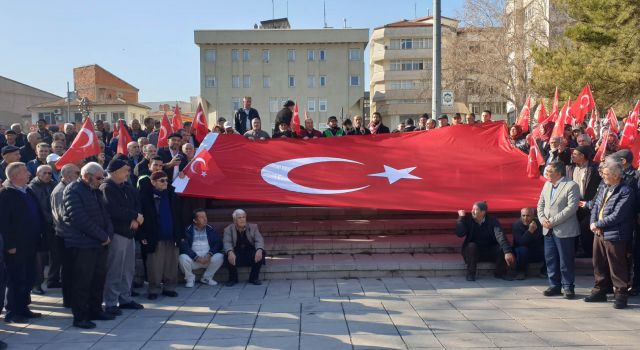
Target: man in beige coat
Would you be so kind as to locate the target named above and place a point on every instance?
(243, 246)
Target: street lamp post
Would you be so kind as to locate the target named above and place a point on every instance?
(437, 62)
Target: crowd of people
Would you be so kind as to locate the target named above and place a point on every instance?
(86, 220)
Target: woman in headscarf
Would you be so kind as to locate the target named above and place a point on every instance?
(518, 139)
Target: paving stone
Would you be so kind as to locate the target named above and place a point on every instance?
(282, 343)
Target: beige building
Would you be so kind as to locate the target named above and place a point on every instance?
(15, 98)
(401, 72)
(321, 69)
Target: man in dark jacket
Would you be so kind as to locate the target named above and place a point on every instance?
(10, 154)
(21, 230)
(173, 158)
(45, 134)
(123, 205)
(585, 173)
(42, 186)
(376, 126)
(528, 242)
(89, 232)
(483, 241)
(358, 127)
(28, 151)
(59, 268)
(284, 115)
(149, 151)
(244, 116)
(201, 247)
(612, 221)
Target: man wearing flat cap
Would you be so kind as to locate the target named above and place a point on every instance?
(443, 121)
(584, 172)
(10, 154)
(285, 115)
(173, 158)
(123, 204)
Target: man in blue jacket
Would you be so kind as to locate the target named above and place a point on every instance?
(200, 248)
(612, 221)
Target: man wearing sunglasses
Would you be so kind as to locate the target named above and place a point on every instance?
(89, 232)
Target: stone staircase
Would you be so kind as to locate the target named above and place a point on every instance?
(322, 242)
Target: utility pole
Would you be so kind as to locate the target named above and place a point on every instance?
(436, 89)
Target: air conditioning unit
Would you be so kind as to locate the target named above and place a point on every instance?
(57, 111)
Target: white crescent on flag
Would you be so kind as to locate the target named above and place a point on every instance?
(90, 138)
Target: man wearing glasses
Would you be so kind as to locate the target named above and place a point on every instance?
(86, 239)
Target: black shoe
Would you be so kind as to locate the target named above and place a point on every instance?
(31, 314)
(552, 291)
(620, 302)
(137, 284)
(471, 276)
(37, 290)
(134, 293)
(596, 298)
(102, 316)
(152, 296)
(114, 310)
(3, 345)
(132, 305)
(170, 293)
(633, 291)
(84, 324)
(231, 283)
(256, 282)
(54, 285)
(569, 294)
(520, 276)
(506, 276)
(10, 317)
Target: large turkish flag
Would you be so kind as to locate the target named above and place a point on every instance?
(439, 170)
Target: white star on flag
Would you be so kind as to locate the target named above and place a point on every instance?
(394, 175)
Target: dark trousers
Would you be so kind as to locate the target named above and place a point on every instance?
(610, 265)
(3, 283)
(42, 259)
(245, 258)
(89, 269)
(526, 255)
(559, 254)
(473, 254)
(56, 249)
(66, 272)
(585, 240)
(20, 277)
(635, 250)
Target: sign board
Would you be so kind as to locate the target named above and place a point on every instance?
(447, 98)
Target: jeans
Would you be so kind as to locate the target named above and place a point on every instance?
(525, 256)
(559, 254)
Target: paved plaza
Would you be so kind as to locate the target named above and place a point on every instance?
(385, 313)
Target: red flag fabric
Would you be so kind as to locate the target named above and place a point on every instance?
(375, 173)
(165, 131)
(199, 128)
(541, 113)
(558, 128)
(593, 123)
(86, 144)
(523, 119)
(603, 146)
(630, 130)
(295, 121)
(115, 130)
(534, 145)
(176, 121)
(635, 150)
(554, 107)
(123, 138)
(612, 120)
(533, 168)
(583, 104)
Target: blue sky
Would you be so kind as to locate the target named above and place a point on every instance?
(150, 43)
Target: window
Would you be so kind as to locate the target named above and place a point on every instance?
(133, 116)
(246, 81)
(115, 116)
(77, 117)
(406, 44)
(100, 116)
(323, 80)
(406, 84)
(273, 105)
(411, 43)
(210, 55)
(311, 104)
(210, 81)
(311, 81)
(235, 103)
(234, 55)
(406, 65)
(266, 55)
(235, 81)
(323, 55)
(48, 116)
(246, 55)
(291, 55)
(322, 104)
(354, 80)
(266, 82)
(292, 81)
(311, 55)
(354, 54)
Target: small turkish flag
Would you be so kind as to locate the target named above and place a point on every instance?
(630, 130)
(199, 128)
(86, 144)
(295, 121)
(541, 113)
(612, 120)
(523, 119)
(583, 104)
(534, 145)
(533, 167)
(593, 123)
(558, 129)
(123, 138)
(176, 121)
(603, 146)
(165, 130)
(375, 173)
